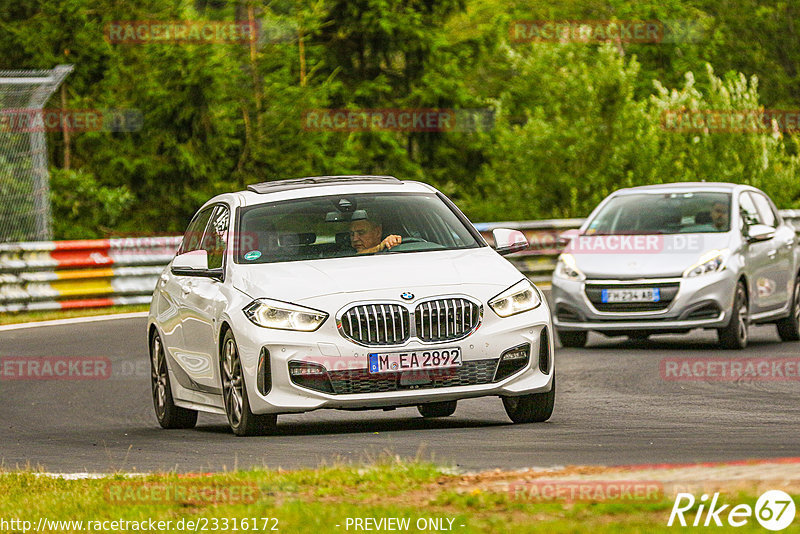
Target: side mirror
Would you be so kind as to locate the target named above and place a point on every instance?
(566, 237)
(191, 263)
(760, 232)
(508, 241)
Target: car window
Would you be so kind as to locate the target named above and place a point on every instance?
(193, 237)
(344, 225)
(750, 214)
(663, 213)
(216, 236)
(767, 214)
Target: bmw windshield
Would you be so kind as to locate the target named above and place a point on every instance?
(663, 213)
(349, 225)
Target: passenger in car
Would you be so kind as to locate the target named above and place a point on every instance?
(719, 214)
(365, 237)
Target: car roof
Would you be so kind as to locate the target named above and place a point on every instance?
(317, 186)
(318, 181)
(684, 186)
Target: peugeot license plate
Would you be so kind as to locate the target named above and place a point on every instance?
(631, 295)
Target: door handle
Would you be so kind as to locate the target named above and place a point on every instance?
(772, 254)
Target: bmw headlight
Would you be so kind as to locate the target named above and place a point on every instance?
(567, 268)
(710, 262)
(283, 315)
(518, 298)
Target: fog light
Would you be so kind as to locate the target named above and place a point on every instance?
(512, 360)
(311, 376)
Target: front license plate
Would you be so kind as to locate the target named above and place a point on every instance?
(632, 295)
(393, 362)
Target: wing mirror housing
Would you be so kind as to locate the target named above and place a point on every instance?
(194, 263)
(565, 238)
(760, 232)
(508, 241)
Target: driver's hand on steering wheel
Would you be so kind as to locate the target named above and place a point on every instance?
(389, 242)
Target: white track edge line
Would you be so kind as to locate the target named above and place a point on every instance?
(73, 320)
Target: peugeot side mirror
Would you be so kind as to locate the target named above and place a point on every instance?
(565, 238)
(760, 232)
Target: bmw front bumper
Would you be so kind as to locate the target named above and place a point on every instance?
(329, 349)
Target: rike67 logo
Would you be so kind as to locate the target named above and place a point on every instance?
(774, 510)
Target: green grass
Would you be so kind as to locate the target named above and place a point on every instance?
(317, 500)
(34, 316)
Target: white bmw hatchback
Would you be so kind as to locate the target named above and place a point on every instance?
(347, 292)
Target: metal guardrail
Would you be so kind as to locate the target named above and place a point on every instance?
(60, 275)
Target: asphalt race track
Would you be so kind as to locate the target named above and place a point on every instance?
(612, 408)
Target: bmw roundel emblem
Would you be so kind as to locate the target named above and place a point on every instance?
(407, 295)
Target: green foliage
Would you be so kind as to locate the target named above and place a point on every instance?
(573, 121)
(82, 208)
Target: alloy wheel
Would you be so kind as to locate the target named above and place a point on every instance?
(743, 316)
(159, 376)
(232, 383)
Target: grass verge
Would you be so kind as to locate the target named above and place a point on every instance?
(320, 501)
(35, 316)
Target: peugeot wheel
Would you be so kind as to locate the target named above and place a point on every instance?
(437, 409)
(789, 327)
(734, 335)
(573, 338)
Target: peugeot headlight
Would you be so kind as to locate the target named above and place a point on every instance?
(518, 298)
(710, 262)
(567, 268)
(283, 315)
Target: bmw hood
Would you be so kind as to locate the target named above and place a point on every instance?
(642, 256)
(301, 280)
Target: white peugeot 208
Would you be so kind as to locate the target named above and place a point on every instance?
(348, 292)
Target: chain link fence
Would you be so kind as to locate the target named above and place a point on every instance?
(24, 180)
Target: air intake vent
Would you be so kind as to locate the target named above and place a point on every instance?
(446, 319)
(376, 324)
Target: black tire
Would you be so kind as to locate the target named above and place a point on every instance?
(437, 409)
(638, 336)
(573, 338)
(734, 336)
(168, 414)
(789, 327)
(534, 408)
(241, 419)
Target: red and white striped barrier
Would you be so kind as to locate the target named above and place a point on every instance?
(57, 275)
